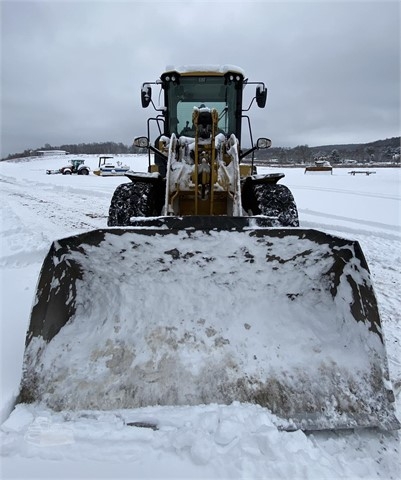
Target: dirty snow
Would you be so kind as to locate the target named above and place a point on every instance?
(204, 441)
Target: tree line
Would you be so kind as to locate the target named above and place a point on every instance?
(378, 151)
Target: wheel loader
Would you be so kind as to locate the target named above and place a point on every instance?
(204, 288)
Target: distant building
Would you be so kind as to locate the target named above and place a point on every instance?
(44, 153)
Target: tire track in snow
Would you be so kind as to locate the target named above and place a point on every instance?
(342, 191)
(29, 212)
(326, 217)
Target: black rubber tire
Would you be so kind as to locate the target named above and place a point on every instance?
(271, 200)
(83, 171)
(135, 199)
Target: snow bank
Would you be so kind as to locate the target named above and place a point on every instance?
(206, 441)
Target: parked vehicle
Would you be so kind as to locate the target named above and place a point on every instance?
(76, 166)
(108, 167)
(320, 166)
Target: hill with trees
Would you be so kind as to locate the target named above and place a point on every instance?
(379, 151)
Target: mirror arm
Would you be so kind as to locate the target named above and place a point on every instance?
(157, 109)
(251, 150)
(158, 152)
(250, 105)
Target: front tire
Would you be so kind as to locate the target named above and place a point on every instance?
(271, 200)
(136, 199)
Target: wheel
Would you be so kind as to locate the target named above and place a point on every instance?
(83, 171)
(67, 172)
(135, 199)
(271, 200)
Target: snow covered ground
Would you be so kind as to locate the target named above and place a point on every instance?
(208, 441)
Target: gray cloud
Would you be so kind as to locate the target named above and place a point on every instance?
(72, 71)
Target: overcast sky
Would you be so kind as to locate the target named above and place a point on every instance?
(71, 71)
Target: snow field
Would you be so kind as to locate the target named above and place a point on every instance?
(205, 441)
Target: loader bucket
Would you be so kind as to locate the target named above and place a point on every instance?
(285, 318)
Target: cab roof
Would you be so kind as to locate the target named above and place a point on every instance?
(204, 68)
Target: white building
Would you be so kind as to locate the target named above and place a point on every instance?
(44, 153)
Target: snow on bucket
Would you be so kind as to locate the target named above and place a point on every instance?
(285, 318)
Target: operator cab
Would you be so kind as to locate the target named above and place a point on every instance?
(205, 89)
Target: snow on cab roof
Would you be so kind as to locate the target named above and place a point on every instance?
(205, 68)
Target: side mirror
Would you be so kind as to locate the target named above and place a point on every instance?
(141, 142)
(263, 143)
(261, 95)
(146, 95)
